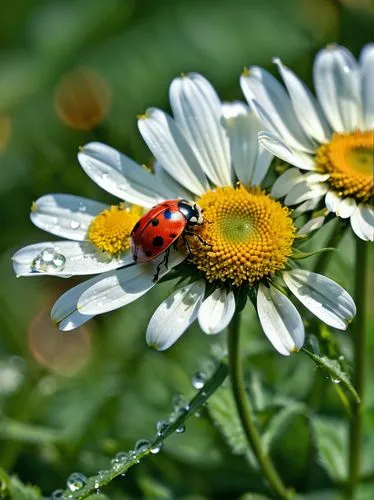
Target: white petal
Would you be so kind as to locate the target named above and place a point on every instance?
(121, 176)
(286, 182)
(122, 287)
(304, 191)
(174, 188)
(251, 161)
(277, 112)
(367, 85)
(79, 258)
(173, 316)
(305, 105)
(362, 222)
(217, 311)
(307, 205)
(197, 111)
(322, 296)
(171, 149)
(280, 320)
(65, 215)
(311, 225)
(332, 201)
(285, 153)
(337, 82)
(346, 208)
(65, 311)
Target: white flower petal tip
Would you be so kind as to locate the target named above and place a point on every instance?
(280, 149)
(280, 320)
(362, 222)
(119, 175)
(337, 82)
(216, 311)
(65, 313)
(119, 288)
(65, 215)
(174, 316)
(234, 109)
(322, 296)
(311, 225)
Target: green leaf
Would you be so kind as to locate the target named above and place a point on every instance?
(223, 412)
(335, 373)
(19, 491)
(279, 423)
(331, 441)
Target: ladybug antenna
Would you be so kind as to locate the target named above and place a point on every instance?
(206, 220)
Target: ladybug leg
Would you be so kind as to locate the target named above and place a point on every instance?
(165, 261)
(190, 233)
(185, 241)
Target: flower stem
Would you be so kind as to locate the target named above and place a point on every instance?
(245, 413)
(359, 364)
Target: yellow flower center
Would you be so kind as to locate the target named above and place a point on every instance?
(110, 230)
(248, 236)
(349, 159)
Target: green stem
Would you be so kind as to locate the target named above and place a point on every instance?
(359, 364)
(245, 413)
(334, 240)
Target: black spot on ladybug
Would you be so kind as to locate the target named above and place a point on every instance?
(148, 253)
(158, 241)
(136, 227)
(155, 222)
(173, 235)
(167, 214)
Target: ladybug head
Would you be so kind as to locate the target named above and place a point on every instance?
(191, 211)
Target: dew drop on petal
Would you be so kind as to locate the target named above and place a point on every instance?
(198, 380)
(74, 224)
(180, 429)
(48, 260)
(76, 481)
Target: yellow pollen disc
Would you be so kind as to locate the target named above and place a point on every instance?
(110, 230)
(249, 234)
(349, 159)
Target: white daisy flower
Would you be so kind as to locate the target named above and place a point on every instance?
(207, 153)
(331, 137)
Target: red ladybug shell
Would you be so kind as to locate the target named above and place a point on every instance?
(156, 231)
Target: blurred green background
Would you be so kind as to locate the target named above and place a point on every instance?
(72, 71)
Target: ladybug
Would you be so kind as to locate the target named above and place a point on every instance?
(159, 228)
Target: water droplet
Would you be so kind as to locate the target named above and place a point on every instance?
(48, 260)
(178, 401)
(59, 261)
(198, 380)
(156, 449)
(99, 477)
(335, 380)
(142, 445)
(341, 358)
(161, 426)
(180, 429)
(74, 224)
(76, 481)
(197, 414)
(57, 494)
